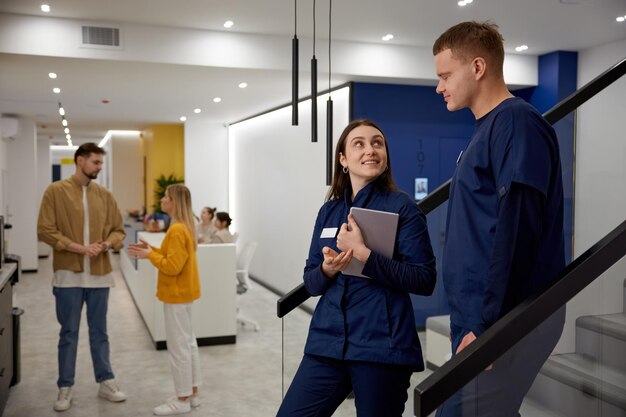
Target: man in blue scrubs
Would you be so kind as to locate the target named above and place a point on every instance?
(504, 239)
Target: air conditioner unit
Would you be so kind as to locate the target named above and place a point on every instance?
(8, 127)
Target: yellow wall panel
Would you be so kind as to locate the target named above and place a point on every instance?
(164, 152)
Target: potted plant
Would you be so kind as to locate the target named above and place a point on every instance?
(154, 220)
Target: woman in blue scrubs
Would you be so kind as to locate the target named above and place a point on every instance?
(362, 336)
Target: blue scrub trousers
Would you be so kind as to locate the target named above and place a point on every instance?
(69, 305)
(499, 391)
(321, 384)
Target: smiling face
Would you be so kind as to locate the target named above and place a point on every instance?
(365, 155)
(457, 80)
(206, 216)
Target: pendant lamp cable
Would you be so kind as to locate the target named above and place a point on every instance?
(314, 85)
(329, 109)
(295, 67)
(330, 14)
(313, 27)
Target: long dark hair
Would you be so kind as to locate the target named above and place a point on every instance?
(341, 181)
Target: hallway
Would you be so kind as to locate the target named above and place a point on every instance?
(243, 379)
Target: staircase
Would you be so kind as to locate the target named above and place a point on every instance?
(592, 381)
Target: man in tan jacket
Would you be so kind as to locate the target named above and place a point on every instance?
(81, 221)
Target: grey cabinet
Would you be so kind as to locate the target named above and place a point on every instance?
(6, 333)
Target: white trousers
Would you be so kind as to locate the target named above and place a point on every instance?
(182, 347)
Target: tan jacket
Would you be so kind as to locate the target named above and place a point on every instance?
(61, 223)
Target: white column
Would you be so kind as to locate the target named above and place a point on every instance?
(125, 162)
(44, 178)
(23, 195)
(206, 164)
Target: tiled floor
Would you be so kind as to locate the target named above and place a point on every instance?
(243, 379)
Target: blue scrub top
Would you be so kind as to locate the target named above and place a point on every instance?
(512, 144)
(370, 319)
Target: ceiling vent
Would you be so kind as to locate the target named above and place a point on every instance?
(97, 36)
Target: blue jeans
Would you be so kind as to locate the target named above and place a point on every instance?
(321, 384)
(69, 305)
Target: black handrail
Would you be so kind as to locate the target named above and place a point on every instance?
(584, 93)
(520, 321)
(298, 295)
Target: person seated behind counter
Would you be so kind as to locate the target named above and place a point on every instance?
(205, 230)
(223, 235)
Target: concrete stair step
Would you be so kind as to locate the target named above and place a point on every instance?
(577, 386)
(603, 338)
(531, 408)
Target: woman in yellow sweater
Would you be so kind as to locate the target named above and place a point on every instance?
(178, 286)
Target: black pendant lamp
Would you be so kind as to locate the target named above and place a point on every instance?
(329, 110)
(313, 86)
(294, 68)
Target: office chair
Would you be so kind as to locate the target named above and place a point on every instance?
(245, 252)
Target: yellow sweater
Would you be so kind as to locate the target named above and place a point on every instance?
(176, 261)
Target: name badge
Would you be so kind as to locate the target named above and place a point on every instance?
(329, 232)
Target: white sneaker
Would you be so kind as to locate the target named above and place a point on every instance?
(194, 401)
(110, 391)
(172, 407)
(64, 399)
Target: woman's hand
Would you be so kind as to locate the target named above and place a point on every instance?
(351, 238)
(139, 250)
(334, 262)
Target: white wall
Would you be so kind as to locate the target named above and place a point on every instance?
(600, 190)
(44, 178)
(206, 164)
(51, 36)
(278, 184)
(125, 160)
(24, 197)
(3, 174)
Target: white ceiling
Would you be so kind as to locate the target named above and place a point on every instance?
(142, 93)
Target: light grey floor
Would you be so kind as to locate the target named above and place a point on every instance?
(243, 379)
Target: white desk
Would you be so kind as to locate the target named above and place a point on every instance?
(214, 314)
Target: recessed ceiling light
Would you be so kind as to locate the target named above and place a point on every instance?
(52, 75)
(56, 90)
(45, 8)
(64, 122)
(521, 48)
(228, 24)
(217, 100)
(464, 2)
(196, 111)
(182, 118)
(388, 37)
(66, 130)
(68, 137)
(621, 18)
(61, 111)
(243, 85)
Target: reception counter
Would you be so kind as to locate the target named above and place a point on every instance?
(214, 314)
